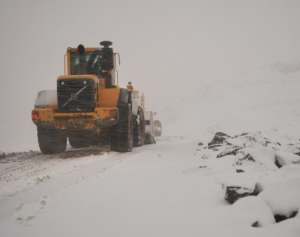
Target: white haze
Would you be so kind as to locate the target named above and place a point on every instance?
(169, 49)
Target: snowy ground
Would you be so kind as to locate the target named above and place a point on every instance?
(166, 189)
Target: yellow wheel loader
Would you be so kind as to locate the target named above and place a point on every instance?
(89, 107)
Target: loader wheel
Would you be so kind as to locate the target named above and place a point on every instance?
(122, 133)
(51, 141)
(139, 129)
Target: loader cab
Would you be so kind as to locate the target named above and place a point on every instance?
(101, 62)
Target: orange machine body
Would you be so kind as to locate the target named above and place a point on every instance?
(104, 115)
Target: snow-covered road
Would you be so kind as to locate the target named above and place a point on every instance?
(157, 190)
(151, 191)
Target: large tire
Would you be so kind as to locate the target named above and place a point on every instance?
(51, 141)
(122, 133)
(139, 129)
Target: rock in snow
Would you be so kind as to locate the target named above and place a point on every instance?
(233, 193)
(233, 150)
(218, 140)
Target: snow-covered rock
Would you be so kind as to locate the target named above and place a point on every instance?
(253, 139)
(231, 150)
(283, 197)
(262, 156)
(234, 193)
(218, 140)
(284, 158)
(253, 211)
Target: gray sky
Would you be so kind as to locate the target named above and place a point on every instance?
(166, 47)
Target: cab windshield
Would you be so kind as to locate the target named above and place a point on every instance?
(86, 63)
